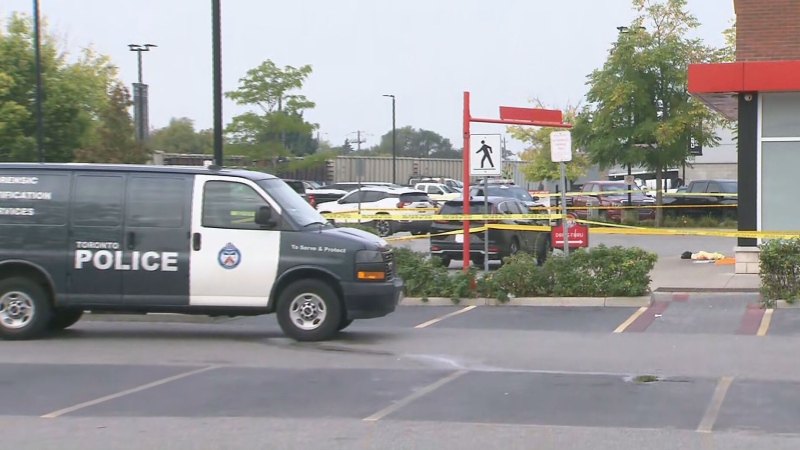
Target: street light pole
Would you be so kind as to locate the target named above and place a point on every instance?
(216, 37)
(38, 50)
(394, 138)
(140, 100)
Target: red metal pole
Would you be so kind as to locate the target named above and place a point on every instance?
(466, 155)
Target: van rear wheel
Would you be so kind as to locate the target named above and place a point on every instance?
(25, 309)
(309, 311)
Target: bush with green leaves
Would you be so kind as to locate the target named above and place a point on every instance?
(597, 272)
(780, 270)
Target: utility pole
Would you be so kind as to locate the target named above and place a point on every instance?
(38, 56)
(216, 50)
(140, 100)
(394, 138)
(359, 141)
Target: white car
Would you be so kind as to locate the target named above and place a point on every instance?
(438, 192)
(380, 201)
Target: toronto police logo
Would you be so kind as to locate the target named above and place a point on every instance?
(229, 257)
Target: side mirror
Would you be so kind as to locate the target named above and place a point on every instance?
(264, 216)
(535, 198)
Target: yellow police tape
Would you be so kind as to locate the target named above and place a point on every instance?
(429, 217)
(542, 208)
(666, 194)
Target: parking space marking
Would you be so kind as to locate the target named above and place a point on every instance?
(641, 323)
(416, 395)
(141, 388)
(630, 319)
(439, 319)
(716, 404)
(765, 321)
(751, 320)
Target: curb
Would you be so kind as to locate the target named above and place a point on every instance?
(783, 304)
(152, 318)
(571, 302)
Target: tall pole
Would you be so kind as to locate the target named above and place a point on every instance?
(38, 56)
(467, 118)
(564, 226)
(394, 143)
(394, 138)
(140, 94)
(141, 78)
(216, 36)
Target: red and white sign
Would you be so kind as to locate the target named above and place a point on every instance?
(577, 232)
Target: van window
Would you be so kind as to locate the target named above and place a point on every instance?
(230, 205)
(156, 202)
(97, 200)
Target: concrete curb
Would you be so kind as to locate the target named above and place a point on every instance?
(607, 302)
(153, 318)
(783, 304)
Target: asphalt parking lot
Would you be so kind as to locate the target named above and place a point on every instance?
(694, 370)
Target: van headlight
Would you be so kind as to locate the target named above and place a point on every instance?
(370, 266)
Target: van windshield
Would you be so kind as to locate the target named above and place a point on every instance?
(291, 203)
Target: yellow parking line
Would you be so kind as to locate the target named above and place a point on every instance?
(630, 320)
(765, 321)
(710, 417)
(439, 319)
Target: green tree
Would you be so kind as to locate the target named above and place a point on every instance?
(279, 129)
(115, 143)
(180, 136)
(417, 143)
(74, 93)
(640, 112)
(539, 165)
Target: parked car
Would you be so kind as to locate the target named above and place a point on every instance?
(450, 182)
(717, 197)
(606, 199)
(510, 191)
(317, 194)
(348, 186)
(380, 201)
(438, 192)
(502, 243)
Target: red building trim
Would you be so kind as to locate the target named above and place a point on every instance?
(719, 84)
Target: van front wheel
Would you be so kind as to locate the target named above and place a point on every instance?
(309, 311)
(25, 309)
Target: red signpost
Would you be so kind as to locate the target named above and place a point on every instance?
(578, 234)
(509, 115)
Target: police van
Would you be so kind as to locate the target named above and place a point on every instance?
(190, 240)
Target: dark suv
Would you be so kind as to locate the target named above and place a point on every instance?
(502, 243)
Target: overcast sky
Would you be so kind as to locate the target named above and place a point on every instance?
(426, 52)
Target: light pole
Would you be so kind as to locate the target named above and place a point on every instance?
(394, 139)
(38, 51)
(140, 103)
(216, 38)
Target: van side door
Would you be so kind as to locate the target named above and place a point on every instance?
(96, 242)
(234, 261)
(157, 244)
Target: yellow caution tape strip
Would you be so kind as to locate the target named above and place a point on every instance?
(446, 233)
(666, 194)
(461, 217)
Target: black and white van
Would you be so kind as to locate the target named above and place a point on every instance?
(191, 240)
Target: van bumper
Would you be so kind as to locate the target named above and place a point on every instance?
(365, 300)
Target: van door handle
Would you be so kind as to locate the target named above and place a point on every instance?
(196, 241)
(131, 238)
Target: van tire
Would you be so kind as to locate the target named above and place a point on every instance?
(344, 323)
(21, 292)
(63, 319)
(304, 302)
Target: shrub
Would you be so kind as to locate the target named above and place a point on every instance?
(598, 272)
(780, 270)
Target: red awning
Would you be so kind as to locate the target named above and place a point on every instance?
(719, 84)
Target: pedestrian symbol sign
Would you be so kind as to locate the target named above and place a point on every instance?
(486, 155)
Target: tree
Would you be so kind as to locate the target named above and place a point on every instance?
(417, 143)
(539, 165)
(115, 135)
(280, 128)
(180, 137)
(74, 93)
(640, 112)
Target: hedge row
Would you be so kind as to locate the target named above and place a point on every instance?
(780, 271)
(597, 272)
